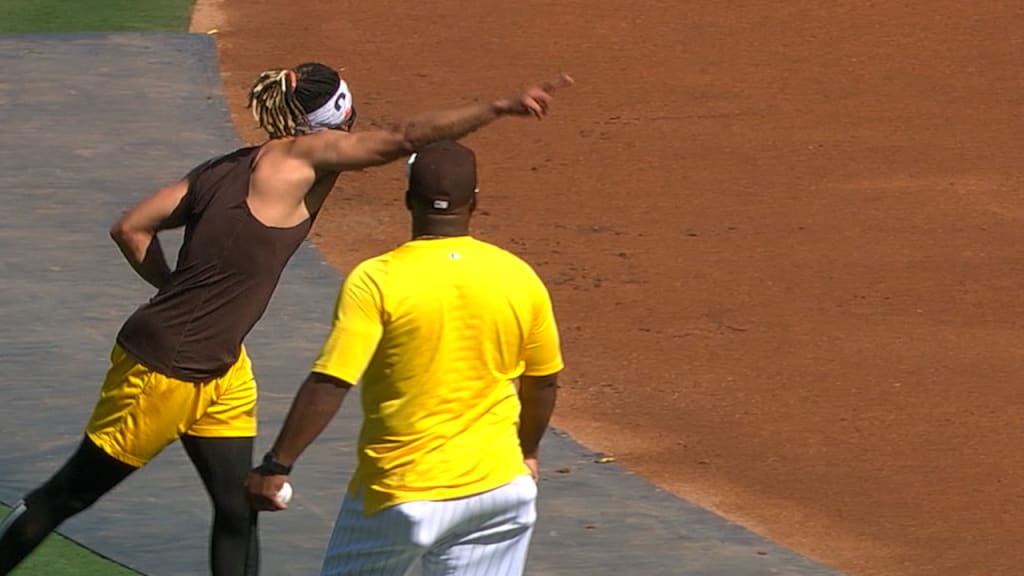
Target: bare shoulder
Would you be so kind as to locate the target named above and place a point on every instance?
(282, 155)
(279, 169)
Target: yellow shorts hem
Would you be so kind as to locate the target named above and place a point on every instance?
(223, 432)
(115, 452)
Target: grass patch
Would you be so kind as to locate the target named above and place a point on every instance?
(48, 16)
(59, 556)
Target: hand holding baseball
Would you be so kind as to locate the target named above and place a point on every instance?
(268, 492)
(284, 495)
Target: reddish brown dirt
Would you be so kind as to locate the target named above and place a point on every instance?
(783, 241)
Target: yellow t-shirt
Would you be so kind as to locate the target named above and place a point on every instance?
(434, 332)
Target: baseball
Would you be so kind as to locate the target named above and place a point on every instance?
(285, 495)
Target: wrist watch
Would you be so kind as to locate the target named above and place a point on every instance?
(272, 467)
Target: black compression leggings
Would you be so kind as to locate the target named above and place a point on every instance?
(223, 464)
(90, 473)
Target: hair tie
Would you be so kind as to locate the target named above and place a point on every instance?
(291, 76)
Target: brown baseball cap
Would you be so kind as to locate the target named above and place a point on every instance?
(442, 177)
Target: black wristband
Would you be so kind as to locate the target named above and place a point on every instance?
(271, 467)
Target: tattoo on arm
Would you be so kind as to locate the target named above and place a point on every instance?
(448, 124)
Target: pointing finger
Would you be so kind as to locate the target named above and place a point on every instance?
(563, 81)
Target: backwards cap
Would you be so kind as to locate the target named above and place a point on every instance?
(442, 177)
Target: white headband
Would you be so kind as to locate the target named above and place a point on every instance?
(333, 113)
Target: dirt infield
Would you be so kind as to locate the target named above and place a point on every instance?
(783, 241)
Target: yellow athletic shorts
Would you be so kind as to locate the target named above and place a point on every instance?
(141, 411)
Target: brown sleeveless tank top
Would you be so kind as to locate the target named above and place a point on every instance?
(228, 267)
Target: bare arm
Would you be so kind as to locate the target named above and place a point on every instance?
(537, 395)
(337, 151)
(316, 403)
(136, 232)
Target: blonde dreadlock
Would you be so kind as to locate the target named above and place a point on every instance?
(275, 106)
(281, 99)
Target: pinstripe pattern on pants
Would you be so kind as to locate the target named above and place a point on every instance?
(486, 534)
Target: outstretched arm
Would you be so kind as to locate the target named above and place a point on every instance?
(333, 150)
(136, 232)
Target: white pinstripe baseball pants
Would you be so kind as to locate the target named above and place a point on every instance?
(483, 535)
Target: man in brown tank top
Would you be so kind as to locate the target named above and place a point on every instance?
(179, 368)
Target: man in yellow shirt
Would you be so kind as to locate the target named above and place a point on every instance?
(435, 332)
